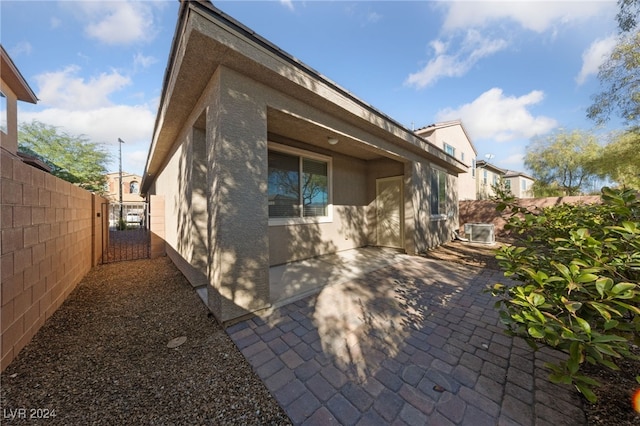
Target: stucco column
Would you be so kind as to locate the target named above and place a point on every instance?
(156, 225)
(238, 215)
(199, 194)
(418, 190)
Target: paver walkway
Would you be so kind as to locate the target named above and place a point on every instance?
(417, 342)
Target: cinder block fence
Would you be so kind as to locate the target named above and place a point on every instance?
(51, 238)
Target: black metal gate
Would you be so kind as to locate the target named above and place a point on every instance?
(126, 239)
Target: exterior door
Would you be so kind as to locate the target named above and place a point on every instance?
(390, 212)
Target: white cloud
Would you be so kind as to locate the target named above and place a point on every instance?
(82, 106)
(536, 16)
(287, 3)
(55, 22)
(373, 17)
(134, 124)
(513, 160)
(141, 61)
(595, 56)
(23, 47)
(118, 22)
(501, 118)
(472, 48)
(65, 89)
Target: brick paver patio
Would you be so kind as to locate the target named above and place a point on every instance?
(417, 342)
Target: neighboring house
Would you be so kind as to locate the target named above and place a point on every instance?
(519, 183)
(452, 137)
(13, 88)
(130, 188)
(488, 176)
(259, 160)
(132, 201)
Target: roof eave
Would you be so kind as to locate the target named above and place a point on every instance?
(182, 36)
(14, 79)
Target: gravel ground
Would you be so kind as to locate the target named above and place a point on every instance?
(103, 358)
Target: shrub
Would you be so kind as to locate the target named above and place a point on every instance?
(577, 269)
(122, 225)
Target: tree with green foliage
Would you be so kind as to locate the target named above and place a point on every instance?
(577, 282)
(620, 77)
(72, 158)
(628, 15)
(620, 160)
(562, 163)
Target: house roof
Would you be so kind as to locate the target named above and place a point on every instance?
(513, 173)
(481, 164)
(34, 161)
(206, 38)
(12, 78)
(435, 126)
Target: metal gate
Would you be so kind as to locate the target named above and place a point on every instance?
(126, 239)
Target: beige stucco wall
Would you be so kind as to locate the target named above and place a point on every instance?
(9, 140)
(485, 190)
(455, 136)
(516, 186)
(428, 232)
(51, 237)
(230, 121)
(353, 224)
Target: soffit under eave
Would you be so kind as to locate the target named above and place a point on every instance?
(15, 81)
(188, 77)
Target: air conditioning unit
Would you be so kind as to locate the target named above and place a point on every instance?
(480, 232)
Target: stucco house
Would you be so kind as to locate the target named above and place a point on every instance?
(488, 175)
(519, 183)
(132, 200)
(452, 137)
(260, 160)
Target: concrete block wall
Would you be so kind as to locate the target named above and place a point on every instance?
(48, 245)
(484, 211)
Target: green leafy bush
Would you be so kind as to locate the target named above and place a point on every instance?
(577, 269)
(121, 225)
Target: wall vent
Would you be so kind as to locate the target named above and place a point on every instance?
(480, 232)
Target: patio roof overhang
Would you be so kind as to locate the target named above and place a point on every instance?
(206, 39)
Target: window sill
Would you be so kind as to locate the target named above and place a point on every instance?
(289, 221)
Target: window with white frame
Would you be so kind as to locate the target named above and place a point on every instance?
(485, 174)
(438, 193)
(3, 113)
(449, 149)
(523, 185)
(473, 167)
(299, 185)
(134, 187)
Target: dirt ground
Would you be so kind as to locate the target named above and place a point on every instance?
(615, 394)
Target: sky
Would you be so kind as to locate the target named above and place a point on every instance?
(511, 71)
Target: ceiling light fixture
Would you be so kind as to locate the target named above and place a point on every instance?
(332, 141)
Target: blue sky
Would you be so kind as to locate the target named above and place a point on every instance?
(511, 71)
